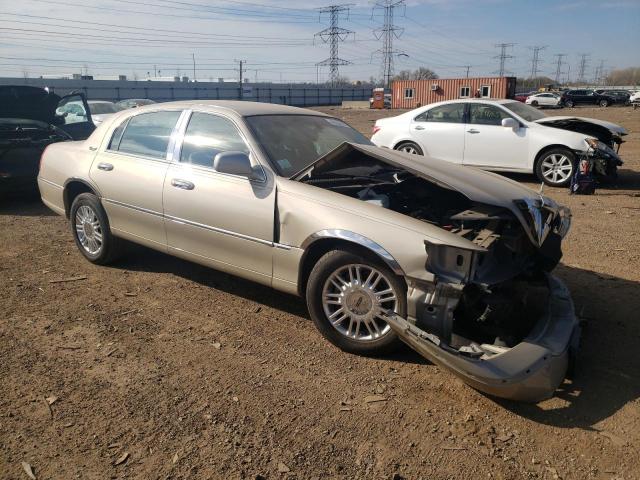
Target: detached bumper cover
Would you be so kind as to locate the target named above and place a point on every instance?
(529, 372)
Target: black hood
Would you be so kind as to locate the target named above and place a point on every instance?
(32, 103)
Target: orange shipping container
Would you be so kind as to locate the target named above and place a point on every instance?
(416, 93)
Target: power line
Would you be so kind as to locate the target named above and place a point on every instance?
(387, 33)
(334, 35)
(503, 56)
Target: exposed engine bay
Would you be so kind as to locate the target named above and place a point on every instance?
(485, 299)
(602, 133)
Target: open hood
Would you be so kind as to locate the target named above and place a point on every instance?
(576, 122)
(25, 102)
(533, 210)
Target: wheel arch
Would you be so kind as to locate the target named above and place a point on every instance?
(399, 142)
(319, 243)
(545, 149)
(74, 187)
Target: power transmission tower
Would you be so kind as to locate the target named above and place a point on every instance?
(559, 62)
(535, 60)
(387, 33)
(503, 56)
(467, 68)
(334, 35)
(582, 67)
(599, 73)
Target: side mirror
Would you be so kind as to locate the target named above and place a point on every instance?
(236, 163)
(510, 123)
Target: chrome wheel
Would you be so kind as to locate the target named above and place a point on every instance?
(355, 298)
(556, 168)
(88, 230)
(408, 148)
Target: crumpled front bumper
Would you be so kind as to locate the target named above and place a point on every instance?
(529, 372)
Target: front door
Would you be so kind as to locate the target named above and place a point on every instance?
(129, 171)
(490, 145)
(75, 116)
(220, 219)
(440, 132)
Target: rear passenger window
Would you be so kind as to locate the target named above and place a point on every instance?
(146, 134)
(206, 136)
(451, 113)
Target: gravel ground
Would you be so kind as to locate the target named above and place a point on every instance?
(159, 368)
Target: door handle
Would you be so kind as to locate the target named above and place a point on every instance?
(183, 184)
(107, 167)
(419, 127)
(93, 149)
(473, 130)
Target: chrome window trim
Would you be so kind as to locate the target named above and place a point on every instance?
(353, 237)
(177, 150)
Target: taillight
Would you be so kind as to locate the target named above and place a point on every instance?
(375, 130)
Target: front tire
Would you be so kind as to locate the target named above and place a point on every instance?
(604, 103)
(347, 294)
(568, 104)
(555, 167)
(534, 103)
(409, 147)
(91, 231)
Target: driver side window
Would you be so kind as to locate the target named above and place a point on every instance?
(206, 136)
(483, 114)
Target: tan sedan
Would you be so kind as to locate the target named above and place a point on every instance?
(384, 246)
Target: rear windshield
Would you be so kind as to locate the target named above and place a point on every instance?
(293, 142)
(99, 108)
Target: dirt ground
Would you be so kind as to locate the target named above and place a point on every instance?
(158, 368)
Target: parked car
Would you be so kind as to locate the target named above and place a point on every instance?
(503, 135)
(522, 97)
(620, 96)
(634, 99)
(543, 100)
(101, 110)
(28, 124)
(384, 247)
(134, 103)
(571, 98)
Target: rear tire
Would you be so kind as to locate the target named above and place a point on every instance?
(555, 167)
(409, 147)
(343, 302)
(91, 231)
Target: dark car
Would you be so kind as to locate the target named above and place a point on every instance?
(620, 96)
(570, 98)
(31, 118)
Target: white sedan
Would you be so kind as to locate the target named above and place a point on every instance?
(544, 99)
(504, 135)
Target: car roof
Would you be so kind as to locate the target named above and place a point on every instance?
(239, 107)
(98, 101)
(493, 101)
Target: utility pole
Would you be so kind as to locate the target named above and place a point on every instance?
(599, 73)
(241, 62)
(334, 35)
(387, 33)
(467, 67)
(535, 61)
(503, 57)
(559, 62)
(193, 57)
(582, 67)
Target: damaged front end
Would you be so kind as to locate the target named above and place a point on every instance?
(489, 310)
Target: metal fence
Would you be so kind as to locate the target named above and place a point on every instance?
(288, 94)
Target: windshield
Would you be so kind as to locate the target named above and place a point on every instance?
(530, 114)
(293, 142)
(100, 108)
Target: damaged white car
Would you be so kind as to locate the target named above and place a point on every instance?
(505, 136)
(384, 246)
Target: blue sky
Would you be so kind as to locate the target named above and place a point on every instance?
(276, 38)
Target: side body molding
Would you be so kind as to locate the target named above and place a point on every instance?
(355, 238)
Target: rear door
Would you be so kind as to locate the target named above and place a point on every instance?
(73, 110)
(129, 170)
(490, 145)
(222, 219)
(440, 132)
